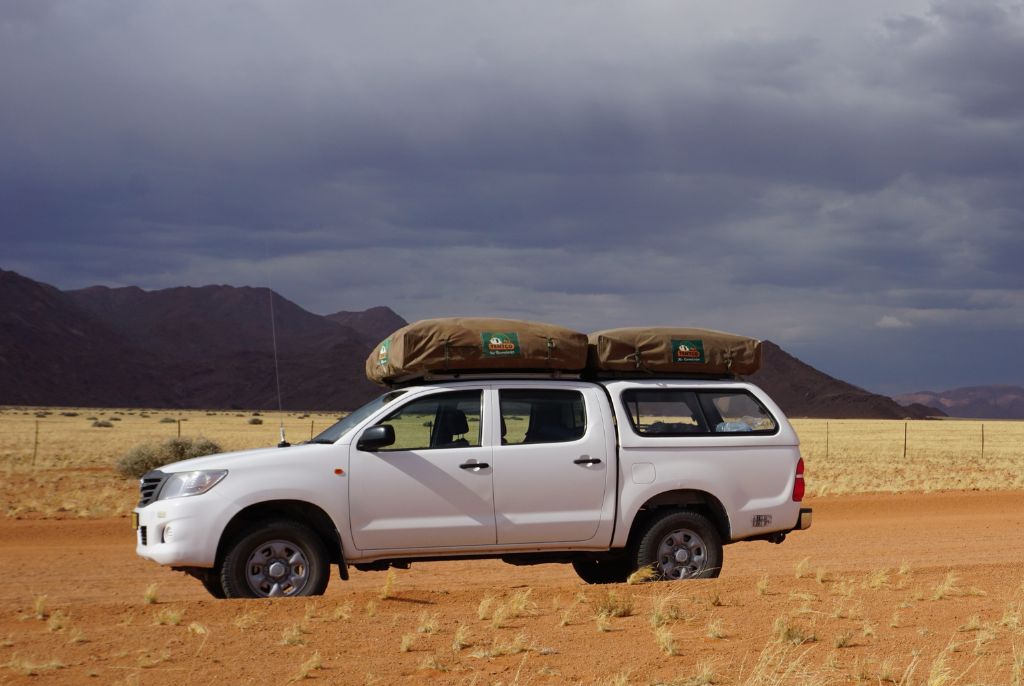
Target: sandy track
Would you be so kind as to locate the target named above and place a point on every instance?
(96, 628)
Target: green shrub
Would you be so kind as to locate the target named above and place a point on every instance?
(102, 424)
(255, 420)
(168, 420)
(148, 456)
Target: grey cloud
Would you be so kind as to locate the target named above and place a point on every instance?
(799, 173)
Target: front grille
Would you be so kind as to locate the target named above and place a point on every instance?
(149, 486)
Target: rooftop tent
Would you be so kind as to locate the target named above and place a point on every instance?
(668, 350)
(475, 344)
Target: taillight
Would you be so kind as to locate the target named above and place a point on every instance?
(798, 482)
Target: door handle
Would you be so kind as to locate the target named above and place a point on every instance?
(474, 465)
(583, 459)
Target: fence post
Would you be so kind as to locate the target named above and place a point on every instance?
(905, 423)
(983, 441)
(35, 446)
(826, 440)
(179, 428)
(311, 429)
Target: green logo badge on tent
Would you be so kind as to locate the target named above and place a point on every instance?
(382, 354)
(500, 344)
(688, 350)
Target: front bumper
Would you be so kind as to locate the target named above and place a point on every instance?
(183, 532)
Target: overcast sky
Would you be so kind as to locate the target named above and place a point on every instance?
(846, 179)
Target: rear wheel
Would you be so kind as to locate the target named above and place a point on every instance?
(603, 571)
(681, 544)
(278, 558)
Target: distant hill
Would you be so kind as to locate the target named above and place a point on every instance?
(376, 322)
(209, 347)
(212, 347)
(803, 391)
(982, 402)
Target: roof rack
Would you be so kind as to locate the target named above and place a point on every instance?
(475, 375)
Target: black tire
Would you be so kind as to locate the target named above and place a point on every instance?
(211, 582)
(604, 571)
(681, 544)
(276, 558)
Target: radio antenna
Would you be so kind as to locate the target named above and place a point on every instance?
(277, 373)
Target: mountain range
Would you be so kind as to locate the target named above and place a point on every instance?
(982, 402)
(212, 347)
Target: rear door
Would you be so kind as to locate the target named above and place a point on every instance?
(553, 468)
(433, 487)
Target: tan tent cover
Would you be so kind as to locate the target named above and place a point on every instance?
(467, 344)
(674, 351)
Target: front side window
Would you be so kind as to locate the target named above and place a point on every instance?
(541, 416)
(675, 412)
(442, 420)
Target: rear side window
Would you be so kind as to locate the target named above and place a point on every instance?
(675, 412)
(541, 416)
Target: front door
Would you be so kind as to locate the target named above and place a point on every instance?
(425, 490)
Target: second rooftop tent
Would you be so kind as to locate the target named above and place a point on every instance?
(670, 350)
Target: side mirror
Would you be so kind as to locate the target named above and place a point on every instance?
(376, 437)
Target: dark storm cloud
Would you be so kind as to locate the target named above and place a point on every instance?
(819, 174)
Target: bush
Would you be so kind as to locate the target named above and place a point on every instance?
(168, 420)
(255, 420)
(148, 456)
(102, 424)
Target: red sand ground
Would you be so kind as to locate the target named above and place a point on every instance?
(93, 625)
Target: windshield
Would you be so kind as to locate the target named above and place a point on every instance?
(341, 427)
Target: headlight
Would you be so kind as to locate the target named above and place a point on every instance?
(191, 483)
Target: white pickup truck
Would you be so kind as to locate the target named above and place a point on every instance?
(609, 476)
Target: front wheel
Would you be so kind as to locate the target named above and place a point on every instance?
(275, 559)
(681, 544)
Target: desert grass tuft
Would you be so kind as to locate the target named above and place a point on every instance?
(408, 641)
(307, 668)
(39, 607)
(57, 622)
(388, 589)
(149, 596)
(483, 609)
(430, 662)
(614, 604)
(802, 567)
(428, 623)
(715, 629)
(665, 640)
(518, 605)
(461, 638)
(704, 676)
(665, 610)
(645, 573)
(762, 585)
(788, 632)
(293, 636)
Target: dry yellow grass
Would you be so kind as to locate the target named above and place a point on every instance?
(70, 472)
(866, 456)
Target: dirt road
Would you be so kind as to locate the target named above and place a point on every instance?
(923, 582)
